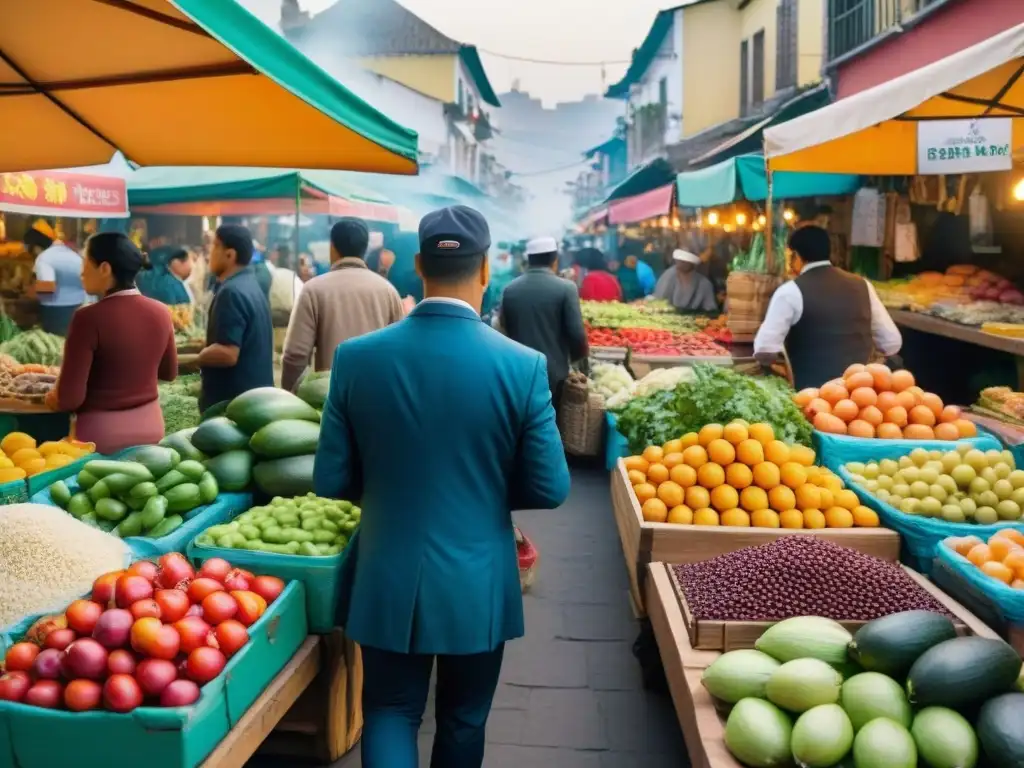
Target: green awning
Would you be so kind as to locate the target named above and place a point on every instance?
(653, 175)
(744, 178)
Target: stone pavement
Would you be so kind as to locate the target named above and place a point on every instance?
(571, 694)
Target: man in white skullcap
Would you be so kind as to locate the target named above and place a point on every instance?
(685, 288)
(542, 311)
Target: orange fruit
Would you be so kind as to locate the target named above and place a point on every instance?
(921, 414)
(918, 432)
(16, 441)
(777, 452)
(907, 399)
(781, 498)
(672, 459)
(750, 452)
(946, 431)
(697, 498)
(721, 452)
(22, 455)
(838, 517)
(736, 518)
(814, 518)
(33, 466)
(962, 545)
(933, 402)
(639, 463)
(804, 396)
(673, 446)
(765, 518)
(864, 397)
(644, 492)
(1010, 533)
(859, 380)
(826, 422)
(980, 554)
(683, 475)
(636, 477)
(763, 433)
(655, 511)
(997, 571)
(690, 438)
(657, 473)
(902, 380)
(793, 475)
(847, 499)
(881, 375)
(854, 368)
(886, 400)
(860, 428)
(735, 433)
(1000, 547)
(710, 432)
(705, 517)
(753, 498)
(950, 414)
(680, 515)
(889, 432)
(808, 497)
(871, 415)
(827, 497)
(766, 475)
(791, 518)
(671, 493)
(802, 455)
(832, 393)
(816, 406)
(1018, 584)
(865, 517)
(896, 415)
(847, 410)
(710, 475)
(724, 497)
(738, 476)
(653, 453)
(966, 428)
(695, 456)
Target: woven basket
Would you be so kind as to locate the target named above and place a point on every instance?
(581, 419)
(748, 294)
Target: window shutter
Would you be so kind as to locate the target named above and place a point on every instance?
(744, 78)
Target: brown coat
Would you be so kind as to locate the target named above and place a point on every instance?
(348, 301)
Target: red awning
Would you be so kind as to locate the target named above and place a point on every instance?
(53, 193)
(593, 217)
(312, 203)
(648, 205)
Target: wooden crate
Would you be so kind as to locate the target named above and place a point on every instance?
(718, 635)
(703, 728)
(644, 542)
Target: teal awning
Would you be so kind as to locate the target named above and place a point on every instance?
(653, 175)
(743, 178)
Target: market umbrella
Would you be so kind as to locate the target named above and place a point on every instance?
(961, 114)
(176, 82)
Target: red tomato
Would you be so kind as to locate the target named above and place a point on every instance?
(147, 569)
(218, 607)
(229, 637)
(82, 616)
(155, 640)
(267, 587)
(149, 607)
(204, 664)
(173, 603)
(250, 607)
(201, 587)
(83, 695)
(20, 656)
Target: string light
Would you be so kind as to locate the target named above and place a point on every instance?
(761, 220)
(1018, 190)
(741, 219)
(713, 219)
(788, 215)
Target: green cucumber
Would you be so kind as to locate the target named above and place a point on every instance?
(167, 525)
(171, 479)
(962, 672)
(135, 505)
(144, 491)
(60, 494)
(181, 442)
(103, 467)
(99, 491)
(254, 409)
(193, 470)
(893, 643)
(119, 482)
(80, 505)
(219, 435)
(289, 437)
(111, 509)
(183, 498)
(158, 459)
(232, 470)
(130, 526)
(154, 511)
(86, 480)
(1000, 730)
(208, 488)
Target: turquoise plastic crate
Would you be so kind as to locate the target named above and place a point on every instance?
(6, 747)
(199, 519)
(833, 451)
(161, 738)
(320, 575)
(14, 492)
(1009, 602)
(44, 480)
(615, 446)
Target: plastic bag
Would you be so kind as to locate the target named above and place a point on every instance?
(1009, 601)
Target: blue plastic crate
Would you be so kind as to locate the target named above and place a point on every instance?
(14, 492)
(1009, 602)
(833, 451)
(616, 446)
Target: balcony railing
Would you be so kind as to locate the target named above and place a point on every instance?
(853, 23)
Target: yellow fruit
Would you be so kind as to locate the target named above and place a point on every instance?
(5, 463)
(708, 433)
(721, 452)
(777, 452)
(735, 433)
(791, 518)
(766, 475)
(705, 517)
(750, 452)
(33, 466)
(695, 456)
(15, 441)
(638, 463)
(636, 477)
(657, 473)
(671, 493)
(813, 473)
(690, 438)
(828, 499)
(644, 492)
(655, 511)
(838, 517)
(11, 474)
(736, 518)
(710, 475)
(808, 497)
(865, 517)
(697, 498)
(802, 455)
(55, 460)
(765, 518)
(49, 447)
(680, 515)
(673, 459)
(847, 499)
(814, 518)
(834, 484)
(724, 497)
(781, 498)
(763, 433)
(792, 474)
(684, 475)
(673, 446)
(22, 455)
(738, 476)
(753, 498)
(653, 453)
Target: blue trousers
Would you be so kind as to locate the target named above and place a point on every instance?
(395, 688)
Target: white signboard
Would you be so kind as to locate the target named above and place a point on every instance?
(964, 146)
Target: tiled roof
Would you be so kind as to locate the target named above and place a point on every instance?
(378, 28)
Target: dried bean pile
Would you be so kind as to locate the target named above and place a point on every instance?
(799, 576)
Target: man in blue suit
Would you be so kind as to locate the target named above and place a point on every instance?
(440, 426)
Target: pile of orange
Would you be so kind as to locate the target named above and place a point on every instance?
(874, 401)
(20, 457)
(1002, 557)
(739, 475)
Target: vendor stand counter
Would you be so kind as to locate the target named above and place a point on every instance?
(644, 543)
(702, 725)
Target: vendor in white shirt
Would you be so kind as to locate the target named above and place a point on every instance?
(58, 273)
(826, 319)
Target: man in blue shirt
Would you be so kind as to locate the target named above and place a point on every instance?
(239, 352)
(58, 284)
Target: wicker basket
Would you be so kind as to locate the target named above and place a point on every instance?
(748, 294)
(581, 418)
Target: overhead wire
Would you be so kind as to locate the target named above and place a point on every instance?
(553, 62)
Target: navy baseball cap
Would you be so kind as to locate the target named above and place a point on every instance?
(454, 231)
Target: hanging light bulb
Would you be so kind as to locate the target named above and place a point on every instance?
(663, 222)
(757, 226)
(728, 228)
(1018, 190)
(788, 215)
(761, 220)
(741, 219)
(713, 219)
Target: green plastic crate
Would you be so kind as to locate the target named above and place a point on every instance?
(14, 492)
(44, 480)
(156, 737)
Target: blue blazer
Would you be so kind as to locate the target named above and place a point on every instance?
(439, 426)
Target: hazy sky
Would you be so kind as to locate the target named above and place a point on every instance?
(559, 30)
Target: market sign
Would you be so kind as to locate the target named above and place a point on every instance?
(54, 193)
(964, 146)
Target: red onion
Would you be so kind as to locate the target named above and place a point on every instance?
(130, 589)
(86, 658)
(113, 628)
(45, 693)
(47, 665)
(121, 662)
(121, 693)
(180, 693)
(154, 675)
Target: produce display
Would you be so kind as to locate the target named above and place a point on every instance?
(148, 494)
(715, 394)
(965, 294)
(1000, 558)
(651, 313)
(815, 696)
(151, 635)
(21, 457)
(716, 327)
(798, 575)
(29, 383)
(610, 380)
(874, 401)
(1001, 403)
(740, 475)
(48, 559)
(965, 485)
(35, 346)
(657, 343)
(306, 525)
(313, 388)
(658, 380)
(179, 402)
(266, 439)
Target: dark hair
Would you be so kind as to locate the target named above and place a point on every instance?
(592, 259)
(36, 238)
(811, 243)
(449, 270)
(350, 237)
(123, 256)
(542, 259)
(177, 253)
(238, 239)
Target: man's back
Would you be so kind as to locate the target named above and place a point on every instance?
(441, 427)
